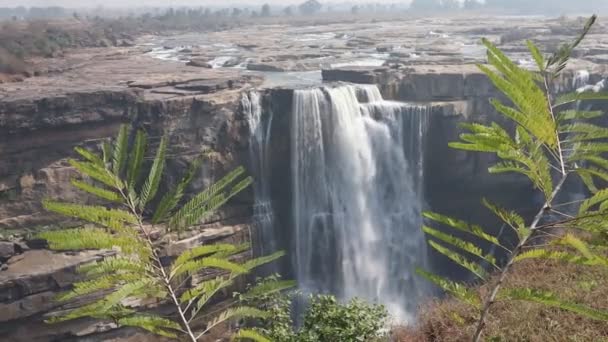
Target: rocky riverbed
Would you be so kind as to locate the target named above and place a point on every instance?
(190, 86)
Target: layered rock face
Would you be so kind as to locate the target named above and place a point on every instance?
(41, 124)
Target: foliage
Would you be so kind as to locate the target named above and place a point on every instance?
(552, 142)
(135, 212)
(325, 319)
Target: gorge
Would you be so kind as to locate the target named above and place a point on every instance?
(345, 155)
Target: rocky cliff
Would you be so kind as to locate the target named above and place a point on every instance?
(41, 121)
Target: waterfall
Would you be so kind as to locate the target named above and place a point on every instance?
(263, 213)
(357, 196)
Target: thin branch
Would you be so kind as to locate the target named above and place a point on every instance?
(491, 298)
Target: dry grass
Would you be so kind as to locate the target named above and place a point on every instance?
(451, 321)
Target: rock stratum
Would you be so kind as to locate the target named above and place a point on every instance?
(82, 98)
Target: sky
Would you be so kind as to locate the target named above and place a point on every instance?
(166, 3)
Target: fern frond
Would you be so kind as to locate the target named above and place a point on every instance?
(201, 251)
(461, 244)
(263, 260)
(96, 172)
(561, 57)
(85, 238)
(100, 283)
(173, 197)
(119, 158)
(113, 264)
(511, 218)
(154, 324)
(200, 204)
(269, 287)
(473, 267)
(599, 197)
(90, 156)
(136, 158)
(549, 299)
(246, 334)
(99, 192)
(194, 266)
(458, 290)
(206, 289)
(237, 312)
(474, 230)
(521, 88)
(578, 115)
(576, 243)
(576, 96)
(544, 254)
(151, 185)
(110, 218)
(581, 131)
(537, 55)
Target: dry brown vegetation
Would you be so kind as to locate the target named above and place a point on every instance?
(448, 320)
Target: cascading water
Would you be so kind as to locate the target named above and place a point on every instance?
(263, 213)
(357, 170)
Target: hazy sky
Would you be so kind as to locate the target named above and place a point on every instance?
(164, 3)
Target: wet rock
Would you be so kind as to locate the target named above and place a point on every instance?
(7, 250)
(201, 63)
(264, 67)
(384, 48)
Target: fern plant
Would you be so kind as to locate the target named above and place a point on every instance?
(135, 272)
(551, 143)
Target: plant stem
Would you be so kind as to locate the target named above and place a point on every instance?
(489, 301)
(161, 270)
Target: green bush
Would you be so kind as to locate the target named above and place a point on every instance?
(325, 320)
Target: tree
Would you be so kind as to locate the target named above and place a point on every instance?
(552, 143)
(310, 7)
(265, 10)
(135, 212)
(471, 4)
(425, 5)
(288, 11)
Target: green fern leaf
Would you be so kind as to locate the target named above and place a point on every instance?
(578, 115)
(600, 197)
(83, 239)
(257, 262)
(100, 283)
(576, 96)
(462, 226)
(458, 290)
(201, 251)
(537, 55)
(473, 267)
(204, 202)
(269, 287)
(511, 218)
(151, 185)
(461, 244)
(90, 156)
(245, 334)
(206, 289)
(237, 312)
(97, 173)
(549, 299)
(210, 262)
(173, 197)
(555, 255)
(110, 265)
(99, 192)
(110, 218)
(136, 158)
(119, 158)
(154, 324)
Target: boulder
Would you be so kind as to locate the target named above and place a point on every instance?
(264, 67)
(201, 63)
